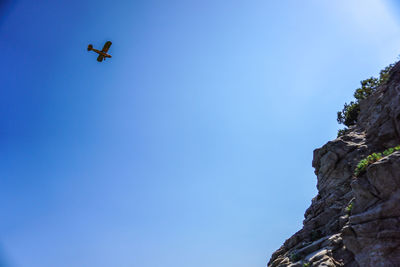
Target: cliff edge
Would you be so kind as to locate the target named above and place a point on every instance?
(354, 220)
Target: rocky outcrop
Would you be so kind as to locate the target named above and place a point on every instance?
(373, 231)
(354, 221)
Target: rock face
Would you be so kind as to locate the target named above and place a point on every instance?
(354, 221)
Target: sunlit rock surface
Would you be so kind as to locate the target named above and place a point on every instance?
(368, 234)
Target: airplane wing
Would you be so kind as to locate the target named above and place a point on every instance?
(100, 58)
(106, 46)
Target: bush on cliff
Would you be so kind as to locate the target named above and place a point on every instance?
(349, 208)
(348, 115)
(374, 157)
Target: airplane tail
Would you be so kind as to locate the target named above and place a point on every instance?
(90, 47)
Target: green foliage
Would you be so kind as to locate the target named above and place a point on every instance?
(306, 264)
(348, 115)
(374, 157)
(349, 208)
(361, 166)
(364, 163)
(368, 86)
(387, 152)
(391, 150)
(384, 74)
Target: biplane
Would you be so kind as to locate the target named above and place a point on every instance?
(103, 53)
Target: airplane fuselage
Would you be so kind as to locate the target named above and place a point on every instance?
(101, 53)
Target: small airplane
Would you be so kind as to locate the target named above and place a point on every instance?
(103, 53)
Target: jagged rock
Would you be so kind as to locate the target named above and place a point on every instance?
(368, 234)
(373, 231)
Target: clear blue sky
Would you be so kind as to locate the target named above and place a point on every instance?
(192, 146)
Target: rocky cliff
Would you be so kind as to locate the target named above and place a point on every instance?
(354, 221)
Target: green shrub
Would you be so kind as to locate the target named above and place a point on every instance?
(306, 264)
(374, 157)
(364, 163)
(387, 152)
(361, 166)
(391, 150)
(384, 74)
(368, 86)
(349, 208)
(348, 115)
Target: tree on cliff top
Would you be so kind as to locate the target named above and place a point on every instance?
(348, 115)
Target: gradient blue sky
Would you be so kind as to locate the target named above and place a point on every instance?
(192, 146)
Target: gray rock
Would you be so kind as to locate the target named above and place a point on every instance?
(368, 235)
